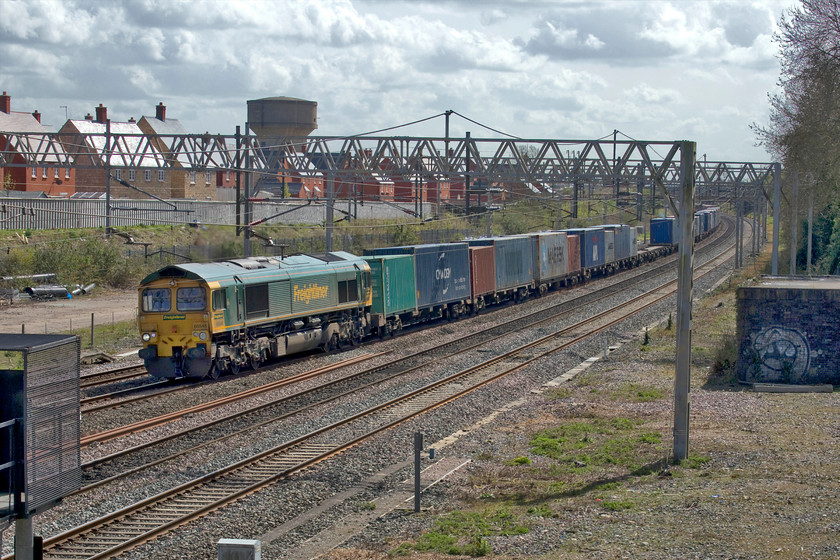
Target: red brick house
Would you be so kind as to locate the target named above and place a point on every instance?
(50, 179)
(86, 139)
(194, 184)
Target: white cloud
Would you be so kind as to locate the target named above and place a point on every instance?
(546, 69)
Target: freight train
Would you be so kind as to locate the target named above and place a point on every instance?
(204, 319)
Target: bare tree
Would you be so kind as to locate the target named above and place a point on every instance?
(804, 128)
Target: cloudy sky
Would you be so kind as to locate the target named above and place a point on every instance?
(654, 70)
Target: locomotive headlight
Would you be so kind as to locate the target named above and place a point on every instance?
(202, 335)
(146, 337)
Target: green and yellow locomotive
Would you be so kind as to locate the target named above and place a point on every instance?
(204, 319)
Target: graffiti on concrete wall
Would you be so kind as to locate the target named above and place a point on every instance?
(781, 355)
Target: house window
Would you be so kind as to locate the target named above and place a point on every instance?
(131, 175)
(56, 172)
(192, 177)
(118, 174)
(148, 175)
(160, 175)
(66, 172)
(34, 172)
(207, 176)
(227, 176)
(44, 172)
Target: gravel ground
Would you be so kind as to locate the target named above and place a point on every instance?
(490, 449)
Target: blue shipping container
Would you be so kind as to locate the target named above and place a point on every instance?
(662, 231)
(592, 249)
(441, 271)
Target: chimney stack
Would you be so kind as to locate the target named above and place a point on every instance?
(131, 119)
(5, 103)
(89, 117)
(37, 115)
(101, 114)
(160, 111)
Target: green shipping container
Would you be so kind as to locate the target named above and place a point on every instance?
(392, 283)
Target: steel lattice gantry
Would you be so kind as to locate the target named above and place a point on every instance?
(544, 162)
(669, 165)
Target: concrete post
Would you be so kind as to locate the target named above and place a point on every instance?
(794, 212)
(418, 449)
(685, 289)
(24, 539)
(777, 194)
(737, 229)
(810, 232)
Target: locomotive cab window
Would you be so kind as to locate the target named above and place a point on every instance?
(191, 299)
(157, 299)
(347, 291)
(219, 300)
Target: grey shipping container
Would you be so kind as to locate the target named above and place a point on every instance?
(514, 260)
(550, 256)
(625, 242)
(609, 245)
(441, 271)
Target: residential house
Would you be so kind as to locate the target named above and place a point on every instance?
(50, 178)
(184, 183)
(134, 160)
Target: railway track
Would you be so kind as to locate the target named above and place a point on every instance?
(283, 407)
(114, 375)
(131, 526)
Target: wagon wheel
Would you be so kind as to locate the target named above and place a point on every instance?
(234, 367)
(255, 362)
(356, 339)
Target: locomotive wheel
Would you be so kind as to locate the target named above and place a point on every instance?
(255, 362)
(214, 370)
(334, 343)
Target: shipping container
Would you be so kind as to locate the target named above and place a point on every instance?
(609, 245)
(441, 271)
(482, 271)
(392, 284)
(592, 250)
(514, 260)
(662, 231)
(625, 240)
(573, 252)
(550, 250)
